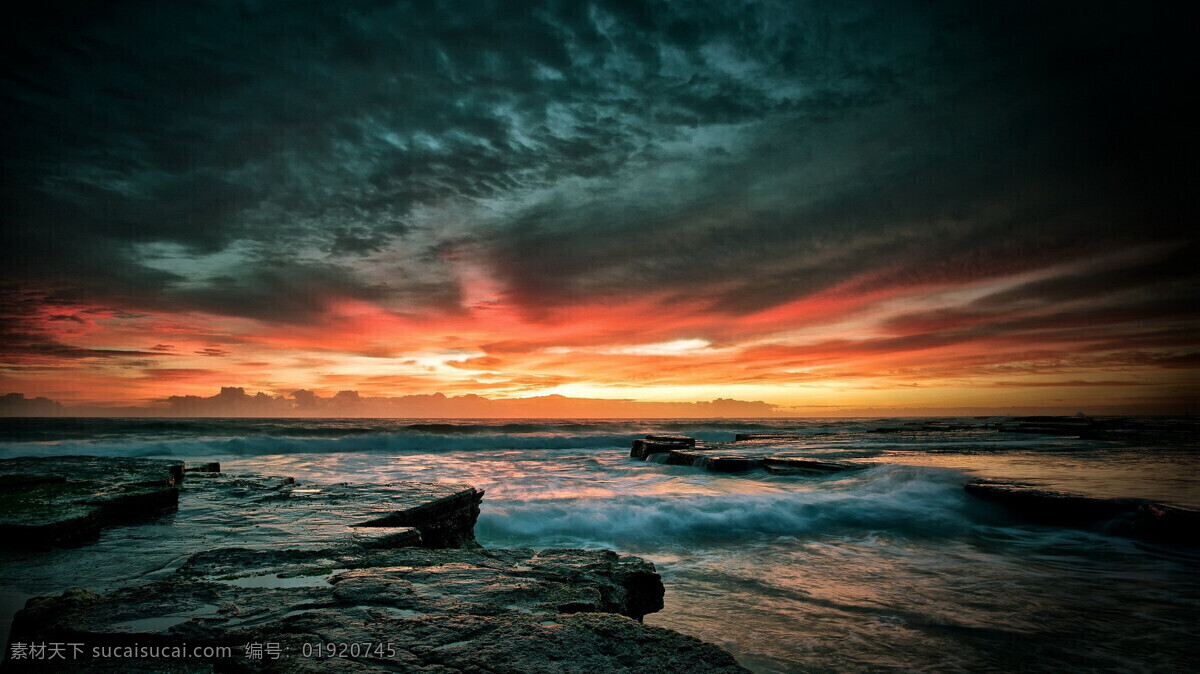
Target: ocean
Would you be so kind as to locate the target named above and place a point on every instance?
(894, 567)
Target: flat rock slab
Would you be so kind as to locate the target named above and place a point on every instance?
(264, 585)
(732, 463)
(209, 467)
(676, 439)
(1150, 431)
(687, 457)
(792, 465)
(280, 513)
(1134, 517)
(259, 512)
(51, 501)
(362, 640)
(750, 451)
(415, 609)
(319, 567)
(444, 513)
(641, 449)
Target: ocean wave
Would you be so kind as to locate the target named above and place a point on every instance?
(43, 430)
(265, 445)
(913, 501)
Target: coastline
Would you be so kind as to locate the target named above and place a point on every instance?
(894, 564)
(391, 571)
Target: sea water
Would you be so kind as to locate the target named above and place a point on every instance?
(892, 567)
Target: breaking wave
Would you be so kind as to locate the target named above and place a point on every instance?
(254, 437)
(911, 501)
(267, 445)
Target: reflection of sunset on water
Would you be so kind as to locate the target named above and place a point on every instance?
(894, 564)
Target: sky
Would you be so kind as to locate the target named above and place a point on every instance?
(810, 208)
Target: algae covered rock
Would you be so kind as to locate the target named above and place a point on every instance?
(50, 501)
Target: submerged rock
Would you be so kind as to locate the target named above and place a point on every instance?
(1138, 518)
(50, 501)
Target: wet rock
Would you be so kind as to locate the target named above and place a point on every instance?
(250, 511)
(383, 537)
(644, 448)
(748, 452)
(210, 467)
(337, 564)
(1063, 426)
(673, 439)
(1138, 518)
(445, 514)
(593, 642)
(1152, 431)
(488, 580)
(732, 463)
(1043, 505)
(53, 501)
(368, 639)
(687, 457)
(107, 473)
(788, 465)
(504, 610)
(747, 437)
(1168, 523)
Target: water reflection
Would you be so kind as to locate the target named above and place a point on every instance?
(893, 567)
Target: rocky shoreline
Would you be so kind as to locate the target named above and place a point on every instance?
(1131, 517)
(65, 500)
(748, 451)
(132, 558)
(364, 578)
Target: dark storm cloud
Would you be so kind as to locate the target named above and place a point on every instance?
(276, 290)
(745, 153)
(1166, 272)
(983, 142)
(25, 342)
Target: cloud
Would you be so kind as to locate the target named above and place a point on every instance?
(212, 351)
(17, 405)
(235, 401)
(752, 153)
